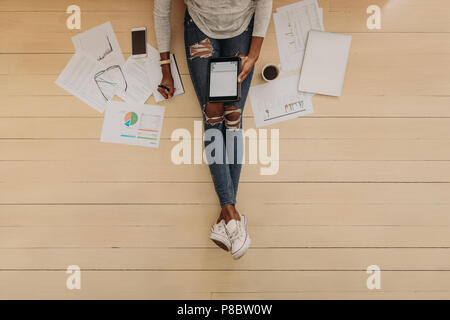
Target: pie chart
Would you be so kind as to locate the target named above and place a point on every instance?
(130, 119)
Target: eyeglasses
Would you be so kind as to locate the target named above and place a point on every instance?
(106, 83)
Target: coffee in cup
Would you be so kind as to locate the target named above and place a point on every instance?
(270, 72)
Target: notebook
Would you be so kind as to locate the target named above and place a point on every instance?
(324, 63)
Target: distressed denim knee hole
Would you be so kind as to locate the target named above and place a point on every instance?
(232, 118)
(202, 49)
(213, 113)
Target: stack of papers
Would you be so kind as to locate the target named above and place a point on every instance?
(279, 100)
(97, 72)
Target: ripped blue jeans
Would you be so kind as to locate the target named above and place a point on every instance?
(223, 129)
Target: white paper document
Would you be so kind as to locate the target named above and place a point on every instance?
(279, 100)
(133, 124)
(139, 87)
(292, 25)
(138, 83)
(155, 75)
(100, 43)
(325, 63)
(79, 78)
(152, 53)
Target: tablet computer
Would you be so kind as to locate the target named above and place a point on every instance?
(223, 83)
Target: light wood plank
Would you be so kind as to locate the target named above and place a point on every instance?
(288, 259)
(193, 236)
(289, 171)
(4, 64)
(397, 16)
(148, 284)
(104, 5)
(261, 214)
(164, 192)
(88, 5)
(333, 295)
(290, 150)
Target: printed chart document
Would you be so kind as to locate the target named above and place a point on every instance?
(279, 100)
(292, 25)
(133, 124)
(78, 78)
(155, 75)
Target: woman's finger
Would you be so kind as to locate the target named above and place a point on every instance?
(163, 92)
(243, 75)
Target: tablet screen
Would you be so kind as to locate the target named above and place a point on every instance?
(223, 79)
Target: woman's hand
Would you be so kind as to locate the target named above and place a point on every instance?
(166, 81)
(247, 65)
(248, 62)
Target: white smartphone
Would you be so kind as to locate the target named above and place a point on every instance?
(139, 42)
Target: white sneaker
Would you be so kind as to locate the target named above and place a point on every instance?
(239, 237)
(219, 235)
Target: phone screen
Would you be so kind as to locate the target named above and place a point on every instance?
(138, 41)
(223, 79)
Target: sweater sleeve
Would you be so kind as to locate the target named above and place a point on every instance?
(161, 12)
(263, 11)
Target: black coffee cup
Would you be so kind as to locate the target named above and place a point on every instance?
(270, 72)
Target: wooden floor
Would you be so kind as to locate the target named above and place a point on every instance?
(363, 181)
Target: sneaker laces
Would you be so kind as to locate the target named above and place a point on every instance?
(236, 232)
(220, 227)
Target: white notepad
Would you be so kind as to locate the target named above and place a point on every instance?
(324, 63)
